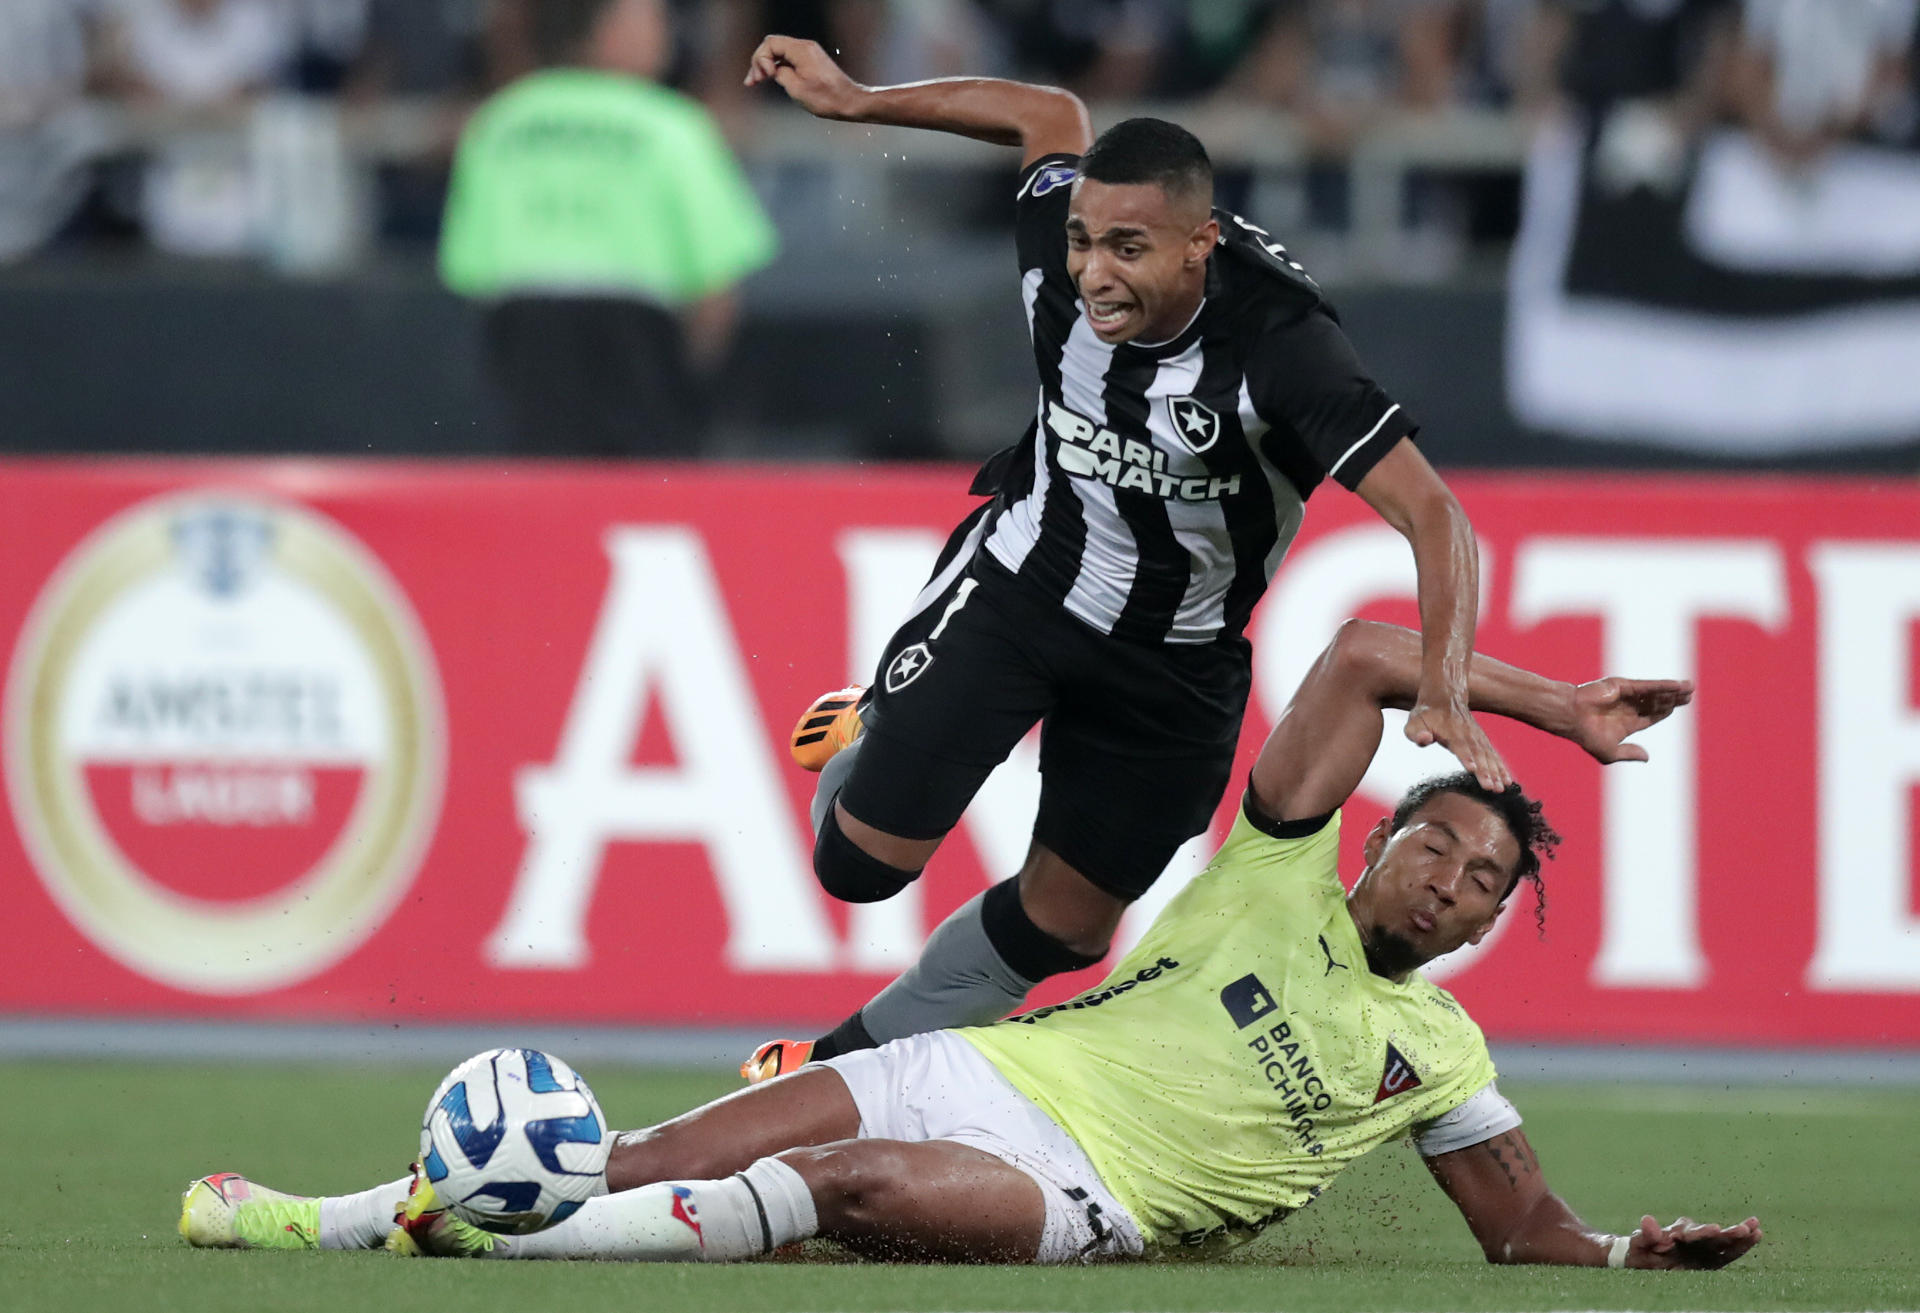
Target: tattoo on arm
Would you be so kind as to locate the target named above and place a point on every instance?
(1514, 1156)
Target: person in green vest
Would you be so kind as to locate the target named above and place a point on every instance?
(606, 225)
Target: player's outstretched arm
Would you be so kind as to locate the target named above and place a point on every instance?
(1498, 1188)
(1325, 739)
(1407, 493)
(1039, 120)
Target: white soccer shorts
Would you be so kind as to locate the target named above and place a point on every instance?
(938, 1087)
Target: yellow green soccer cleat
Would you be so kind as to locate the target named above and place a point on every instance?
(227, 1211)
(424, 1228)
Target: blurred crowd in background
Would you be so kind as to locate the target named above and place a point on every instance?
(1802, 73)
(1680, 225)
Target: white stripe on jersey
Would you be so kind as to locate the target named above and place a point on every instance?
(938, 584)
(1200, 527)
(1018, 529)
(1250, 422)
(1288, 511)
(1109, 560)
(1098, 594)
(1093, 558)
(1335, 467)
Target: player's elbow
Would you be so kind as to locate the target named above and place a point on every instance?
(1432, 512)
(1500, 1251)
(1536, 1233)
(1055, 121)
(1411, 497)
(1505, 1247)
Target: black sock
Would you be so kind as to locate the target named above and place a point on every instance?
(1021, 944)
(850, 1036)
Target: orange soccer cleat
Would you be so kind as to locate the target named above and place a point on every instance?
(776, 1057)
(828, 725)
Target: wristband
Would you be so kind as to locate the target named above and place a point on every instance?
(1617, 1254)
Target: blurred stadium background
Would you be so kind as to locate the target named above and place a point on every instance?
(219, 216)
(384, 735)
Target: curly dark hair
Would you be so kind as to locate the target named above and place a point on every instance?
(1525, 819)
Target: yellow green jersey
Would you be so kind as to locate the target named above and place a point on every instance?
(1242, 1054)
(579, 182)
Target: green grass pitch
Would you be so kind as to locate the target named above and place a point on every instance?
(95, 1155)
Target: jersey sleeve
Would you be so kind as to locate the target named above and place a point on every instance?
(1485, 1114)
(1307, 385)
(1277, 829)
(1040, 213)
(1303, 853)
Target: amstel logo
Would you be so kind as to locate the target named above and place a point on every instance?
(224, 741)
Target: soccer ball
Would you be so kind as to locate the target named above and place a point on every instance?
(514, 1141)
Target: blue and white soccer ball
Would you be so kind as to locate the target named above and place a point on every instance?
(514, 1141)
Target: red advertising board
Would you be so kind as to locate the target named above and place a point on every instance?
(467, 742)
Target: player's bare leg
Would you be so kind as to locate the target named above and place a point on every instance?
(700, 1187)
(936, 1200)
(813, 1107)
(907, 854)
(774, 1164)
(1067, 905)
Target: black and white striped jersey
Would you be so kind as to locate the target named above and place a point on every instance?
(1161, 484)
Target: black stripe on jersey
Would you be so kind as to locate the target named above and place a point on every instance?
(1161, 568)
(1040, 222)
(1063, 520)
(1284, 448)
(1252, 525)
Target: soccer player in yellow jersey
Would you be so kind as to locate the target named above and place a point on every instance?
(1269, 1029)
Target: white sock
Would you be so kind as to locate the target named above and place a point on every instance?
(744, 1216)
(786, 1211)
(361, 1221)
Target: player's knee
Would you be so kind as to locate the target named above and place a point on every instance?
(1358, 646)
(853, 1185)
(1032, 952)
(849, 872)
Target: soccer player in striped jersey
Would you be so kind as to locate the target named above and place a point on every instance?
(1271, 1028)
(1194, 388)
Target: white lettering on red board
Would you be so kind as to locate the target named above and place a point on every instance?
(663, 638)
(1869, 937)
(1650, 596)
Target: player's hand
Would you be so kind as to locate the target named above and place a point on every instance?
(1690, 1244)
(1607, 711)
(808, 75)
(1447, 721)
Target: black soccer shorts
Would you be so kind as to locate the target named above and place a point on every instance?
(1137, 740)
